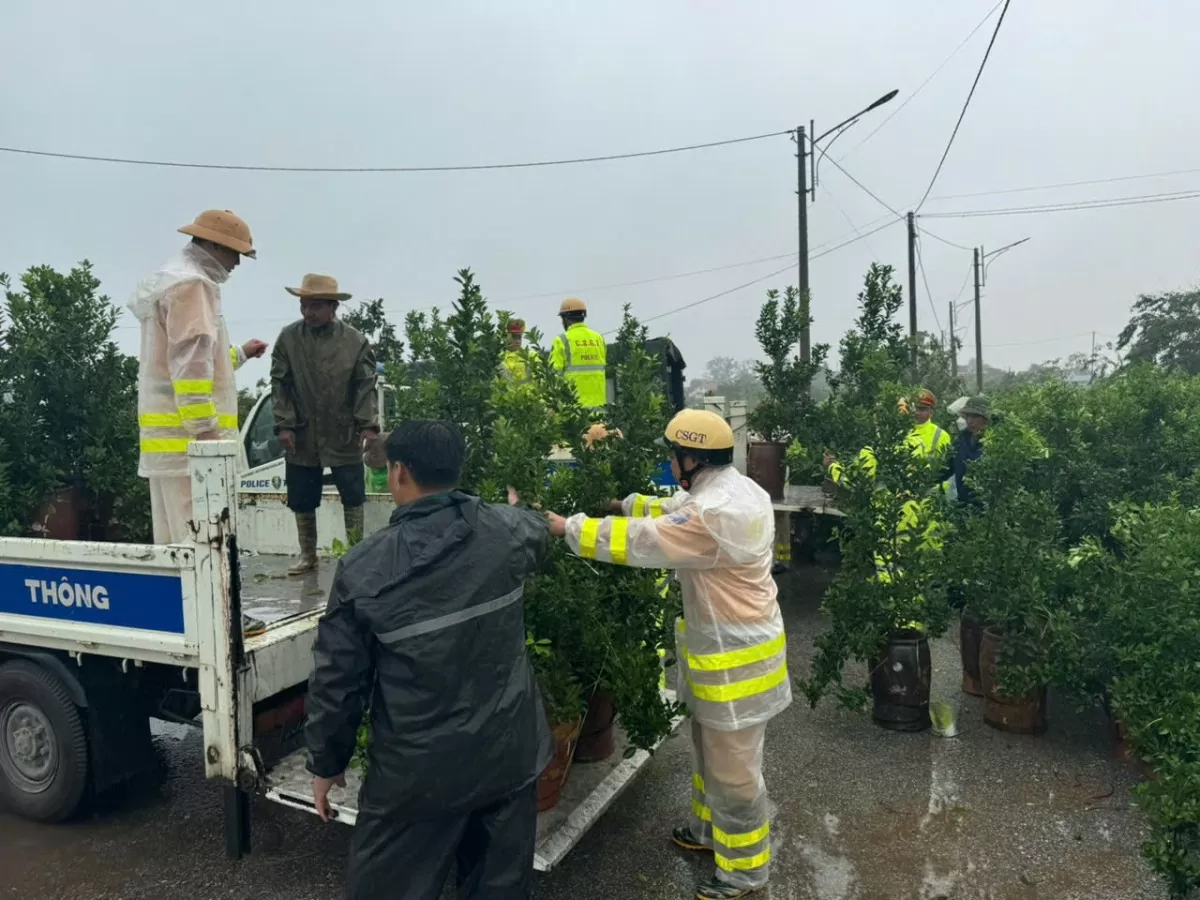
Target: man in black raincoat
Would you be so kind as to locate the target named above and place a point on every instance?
(425, 622)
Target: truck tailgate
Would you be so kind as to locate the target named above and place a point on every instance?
(590, 790)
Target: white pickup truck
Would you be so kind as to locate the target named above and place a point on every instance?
(97, 638)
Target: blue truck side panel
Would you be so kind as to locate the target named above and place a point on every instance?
(125, 599)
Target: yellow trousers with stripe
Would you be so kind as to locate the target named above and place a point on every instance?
(729, 802)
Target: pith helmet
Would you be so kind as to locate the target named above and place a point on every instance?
(222, 227)
(572, 305)
(318, 287)
(701, 434)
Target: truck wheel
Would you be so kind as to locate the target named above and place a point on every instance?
(43, 744)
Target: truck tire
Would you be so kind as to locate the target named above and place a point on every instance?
(43, 744)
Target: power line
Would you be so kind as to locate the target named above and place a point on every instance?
(1065, 184)
(963, 113)
(932, 75)
(870, 193)
(849, 221)
(657, 278)
(732, 290)
(1068, 206)
(928, 293)
(944, 240)
(963, 287)
(376, 169)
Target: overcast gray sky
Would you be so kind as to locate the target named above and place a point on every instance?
(1075, 90)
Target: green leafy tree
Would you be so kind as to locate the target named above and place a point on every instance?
(591, 625)
(72, 396)
(370, 318)
(889, 576)
(786, 408)
(1164, 329)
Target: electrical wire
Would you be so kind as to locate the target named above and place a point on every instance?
(739, 287)
(1064, 184)
(946, 241)
(849, 221)
(962, 114)
(899, 215)
(928, 293)
(377, 169)
(1068, 206)
(924, 83)
(625, 284)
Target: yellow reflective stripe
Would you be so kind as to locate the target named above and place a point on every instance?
(619, 540)
(175, 420)
(193, 386)
(588, 535)
(165, 445)
(639, 504)
(233, 356)
(698, 781)
(731, 659)
(747, 839)
(656, 508)
(159, 420)
(738, 690)
(750, 862)
(703, 813)
(198, 410)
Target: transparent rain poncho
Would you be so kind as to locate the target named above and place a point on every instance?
(186, 383)
(730, 645)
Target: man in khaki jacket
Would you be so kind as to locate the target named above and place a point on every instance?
(323, 388)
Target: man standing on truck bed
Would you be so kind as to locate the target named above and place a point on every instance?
(326, 412)
(425, 624)
(186, 387)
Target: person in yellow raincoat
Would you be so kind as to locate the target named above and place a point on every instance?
(516, 361)
(731, 648)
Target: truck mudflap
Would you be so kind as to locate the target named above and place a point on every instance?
(590, 790)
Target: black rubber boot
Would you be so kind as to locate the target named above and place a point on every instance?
(719, 890)
(683, 837)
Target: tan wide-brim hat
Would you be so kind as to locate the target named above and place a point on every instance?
(222, 227)
(318, 287)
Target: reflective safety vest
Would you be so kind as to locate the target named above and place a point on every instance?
(928, 439)
(581, 356)
(515, 365)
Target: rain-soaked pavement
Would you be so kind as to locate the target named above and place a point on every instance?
(863, 814)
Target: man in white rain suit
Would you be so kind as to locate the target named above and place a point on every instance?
(730, 645)
(186, 387)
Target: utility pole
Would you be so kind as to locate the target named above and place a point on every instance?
(802, 199)
(978, 329)
(953, 343)
(912, 289)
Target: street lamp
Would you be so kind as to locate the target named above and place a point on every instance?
(802, 194)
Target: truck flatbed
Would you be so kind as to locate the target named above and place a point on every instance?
(270, 594)
(590, 789)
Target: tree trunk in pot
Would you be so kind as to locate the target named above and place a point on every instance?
(766, 464)
(596, 737)
(550, 784)
(970, 636)
(1017, 715)
(900, 679)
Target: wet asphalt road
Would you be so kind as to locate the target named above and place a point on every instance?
(863, 814)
